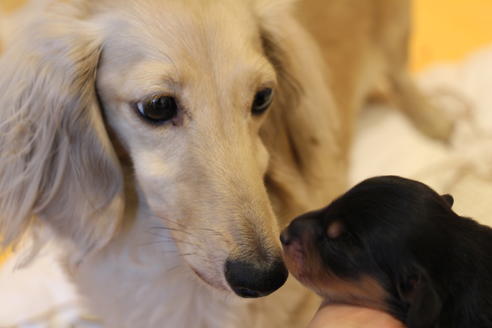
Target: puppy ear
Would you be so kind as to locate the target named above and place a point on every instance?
(57, 165)
(424, 303)
(449, 199)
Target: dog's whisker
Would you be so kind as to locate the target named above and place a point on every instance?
(169, 241)
(188, 230)
(171, 229)
(178, 226)
(173, 268)
(169, 238)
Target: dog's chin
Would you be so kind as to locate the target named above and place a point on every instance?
(214, 283)
(294, 258)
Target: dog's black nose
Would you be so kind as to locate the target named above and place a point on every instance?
(285, 237)
(251, 280)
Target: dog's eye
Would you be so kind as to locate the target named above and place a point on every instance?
(159, 109)
(263, 100)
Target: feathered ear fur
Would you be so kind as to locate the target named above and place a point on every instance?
(57, 165)
(424, 303)
(302, 128)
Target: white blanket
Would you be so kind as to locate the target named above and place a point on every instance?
(387, 143)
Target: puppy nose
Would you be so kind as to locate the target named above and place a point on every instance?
(249, 280)
(285, 237)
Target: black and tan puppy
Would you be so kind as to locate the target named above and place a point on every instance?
(396, 245)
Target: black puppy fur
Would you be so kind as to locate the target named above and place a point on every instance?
(434, 265)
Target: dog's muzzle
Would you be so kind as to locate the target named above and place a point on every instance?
(248, 279)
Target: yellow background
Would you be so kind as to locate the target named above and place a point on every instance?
(3, 257)
(442, 30)
(449, 29)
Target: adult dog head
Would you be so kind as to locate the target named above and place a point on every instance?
(174, 91)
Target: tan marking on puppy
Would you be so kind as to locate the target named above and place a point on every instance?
(335, 229)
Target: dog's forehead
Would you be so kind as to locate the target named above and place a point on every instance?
(187, 31)
(202, 42)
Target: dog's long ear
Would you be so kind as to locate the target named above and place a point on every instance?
(302, 128)
(57, 165)
(424, 304)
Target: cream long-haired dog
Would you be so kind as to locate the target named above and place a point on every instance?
(164, 141)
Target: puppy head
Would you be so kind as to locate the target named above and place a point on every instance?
(378, 245)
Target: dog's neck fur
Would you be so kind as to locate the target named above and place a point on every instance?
(151, 286)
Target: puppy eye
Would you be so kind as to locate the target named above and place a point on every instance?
(262, 101)
(159, 109)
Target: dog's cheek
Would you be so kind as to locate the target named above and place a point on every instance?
(294, 264)
(317, 277)
(263, 157)
(156, 174)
